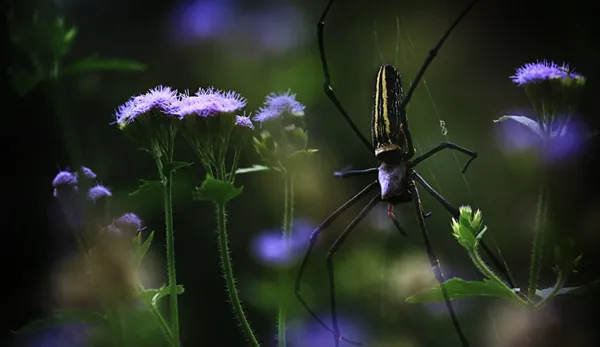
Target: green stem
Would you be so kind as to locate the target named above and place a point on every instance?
(228, 270)
(288, 203)
(482, 266)
(114, 322)
(171, 257)
(538, 242)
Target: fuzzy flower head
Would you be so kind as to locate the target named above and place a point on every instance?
(87, 172)
(128, 224)
(64, 183)
(99, 192)
(283, 135)
(211, 121)
(551, 88)
(160, 99)
(209, 102)
(278, 105)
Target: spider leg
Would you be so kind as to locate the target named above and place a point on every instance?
(327, 81)
(442, 146)
(348, 173)
(313, 240)
(330, 271)
(434, 261)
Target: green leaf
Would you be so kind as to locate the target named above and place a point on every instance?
(147, 186)
(145, 246)
(151, 296)
(217, 191)
(176, 165)
(458, 288)
(298, 158)
(70, 34)
(61, 317)
(253, 168)
(586, 288)
(94, 63)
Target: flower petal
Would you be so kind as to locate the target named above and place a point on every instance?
(527, 122)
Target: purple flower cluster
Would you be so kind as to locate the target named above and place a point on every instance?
(277, 105)
(541, 71)
(160, 98)
(205, 103)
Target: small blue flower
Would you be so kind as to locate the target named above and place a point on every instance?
(541, 71)
(88, 173)
(276, 105)
(270, 247)
(160, 98)
(244, 121)
(64, 182)
(209, 102)
(308, 332)
(99, 192)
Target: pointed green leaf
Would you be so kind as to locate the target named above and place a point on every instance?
(298, 158)
(61, 317)
(176, 165)
(458, 289)
(94, 63)
(145, 246)
(70, 34)
(253, 168)
(147, 186)
(586, 288)
(217, 191)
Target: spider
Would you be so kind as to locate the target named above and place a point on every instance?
(397, 178)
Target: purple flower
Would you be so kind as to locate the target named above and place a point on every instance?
(244, 121)
(99, 192)
(308, 332)
(541, 71)
(88, 173)
(270, 247)
(64, 182)
(160, 98)
(209, 102)
(562, 140)
(128, 223)
(276, 105)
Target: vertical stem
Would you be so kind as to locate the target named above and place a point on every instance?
(228, 270)
(288, 213)
(538, 241)
(171, 257)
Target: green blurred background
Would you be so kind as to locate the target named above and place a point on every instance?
(259, 47)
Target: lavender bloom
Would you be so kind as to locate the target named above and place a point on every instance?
(244, 121)
(99, 192)
(276, 105)
(209, 102)
(308, 332)
(270, 247)
(160, 98)
(64, 182)
(88, 173)
(541, 71)
(128, 223)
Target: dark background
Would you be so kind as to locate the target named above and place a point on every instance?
(264, 46)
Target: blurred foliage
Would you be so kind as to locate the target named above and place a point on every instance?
(41, 43)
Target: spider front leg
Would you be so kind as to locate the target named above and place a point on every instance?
(344, 173)
(442, 146)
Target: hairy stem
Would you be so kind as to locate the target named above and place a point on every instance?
(482, 266)
(228, 270)
(538, 241)
(171, 257)
(560, 282)
(288, 214)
